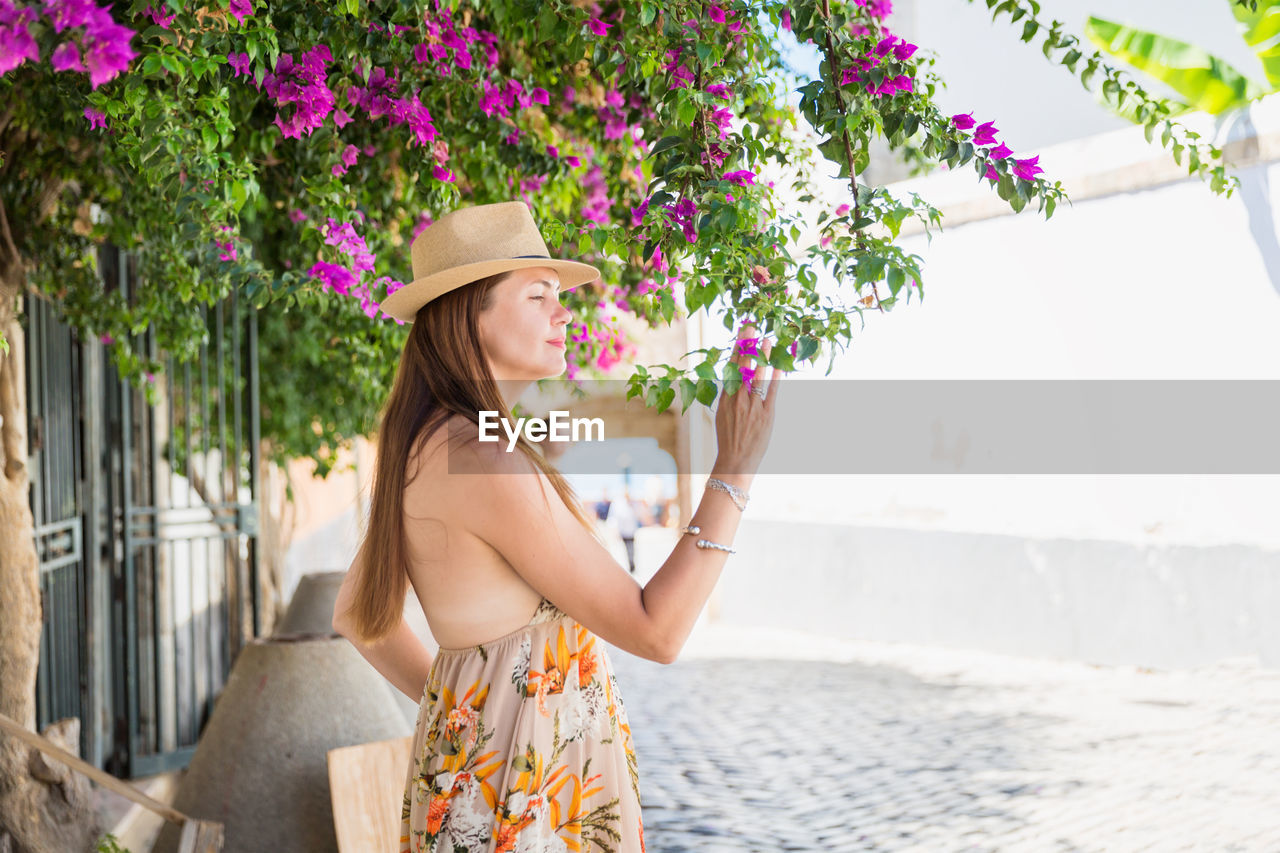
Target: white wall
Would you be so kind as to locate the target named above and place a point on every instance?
(1167, 282)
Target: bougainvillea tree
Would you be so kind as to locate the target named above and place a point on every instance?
(291, 150)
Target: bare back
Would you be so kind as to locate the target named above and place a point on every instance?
(468, 591)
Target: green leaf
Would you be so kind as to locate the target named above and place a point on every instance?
(1258, 28)
(897, 278)
(238, 195)
(664, 144)
(688, 393)
(171, 63)
(1205, 82)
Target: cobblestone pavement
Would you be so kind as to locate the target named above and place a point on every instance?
(757, 740)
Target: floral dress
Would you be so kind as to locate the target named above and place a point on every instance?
(522, 744)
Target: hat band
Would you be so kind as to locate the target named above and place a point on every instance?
(548, 257)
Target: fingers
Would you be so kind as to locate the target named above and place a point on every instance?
(746, 330)
(775, 379)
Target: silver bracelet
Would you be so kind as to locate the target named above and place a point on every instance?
(706, 543)
(735, 494)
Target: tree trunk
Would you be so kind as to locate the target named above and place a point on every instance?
(45, 807)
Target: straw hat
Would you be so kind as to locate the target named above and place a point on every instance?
(471, 243)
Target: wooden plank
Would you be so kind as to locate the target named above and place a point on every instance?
(198, 836)
(366, 786)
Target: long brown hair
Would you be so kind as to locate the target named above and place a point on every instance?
(442, 372)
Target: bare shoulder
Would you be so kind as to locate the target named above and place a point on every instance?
(511, 505)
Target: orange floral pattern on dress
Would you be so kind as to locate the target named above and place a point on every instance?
(496, 771)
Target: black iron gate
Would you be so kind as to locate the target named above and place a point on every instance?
(172, 495)
(55, 430)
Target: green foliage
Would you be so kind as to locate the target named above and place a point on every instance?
(1204, 82)
(110, 844)
(193, 157)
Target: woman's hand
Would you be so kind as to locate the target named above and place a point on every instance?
(744, 422)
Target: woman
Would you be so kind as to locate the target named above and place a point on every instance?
(522, 740)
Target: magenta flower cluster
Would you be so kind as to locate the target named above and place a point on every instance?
(902, 51)
(984, 136)
(608, 340)
(96, 45)
(347, 280)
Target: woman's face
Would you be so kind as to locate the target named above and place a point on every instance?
(523, 328)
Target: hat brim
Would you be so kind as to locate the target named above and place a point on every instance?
(405, 302)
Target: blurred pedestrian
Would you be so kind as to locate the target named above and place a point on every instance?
(623, 517)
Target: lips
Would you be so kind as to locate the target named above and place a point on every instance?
(559, 342)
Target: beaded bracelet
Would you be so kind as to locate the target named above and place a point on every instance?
(735, 494)
(706, 543)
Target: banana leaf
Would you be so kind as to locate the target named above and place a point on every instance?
(1259, 30)
(1204, 81)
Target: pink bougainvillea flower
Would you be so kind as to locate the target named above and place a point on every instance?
(885, 45)
(598, 26)
(574, 161)
(552, 151)
(722, 118)
(720, 90)
(341, 118)
(715, 13)
(637, 213)
(303, 85)
(228, 248)
(66, 57)
(985, 134)
(991, 173)
(879, 8)
(296, 215)
(63, 13)
(963, 121)
(239, 63)
(158, 15)
(424, 220)
(106, 339)
(540, 96)
(17, 45)
(412, 112)
(336, 277)
(742, 177)
(786, 19)
(344, 236)
(1000, 151)
(1027, 169)
(443, 174)
(904, 50)
(682, 214)
(96, 118)
(748, 346)
(748, 373)
(242, 9)
(105, 45)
